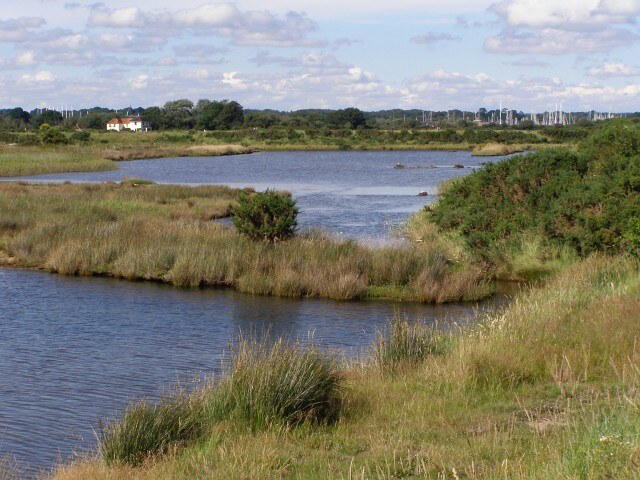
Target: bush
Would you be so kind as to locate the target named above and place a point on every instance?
(585, 201)
(267, 215)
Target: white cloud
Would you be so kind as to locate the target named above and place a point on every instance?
(140, 82)
(615, 69)
(26, 59)
(552, 41)
(560, 27)
(117, 18)
(566, 14)
(42, 77)
(244, 27)
(19, 29)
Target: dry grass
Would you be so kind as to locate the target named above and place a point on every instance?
(165, 233)
(497, 149)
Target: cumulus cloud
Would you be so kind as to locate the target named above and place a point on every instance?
(559, 27)
(431, 38)
(243, 27)
(140, 82)
(19, 29)
(615, 69)
(42, 77)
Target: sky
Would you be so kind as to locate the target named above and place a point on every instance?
(529, 55)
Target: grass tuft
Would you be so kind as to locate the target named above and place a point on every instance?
(407, 342)
(149, 429)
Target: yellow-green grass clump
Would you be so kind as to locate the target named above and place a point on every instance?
(165, 233)
(547, 387)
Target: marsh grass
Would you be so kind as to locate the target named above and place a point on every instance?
(17, 161)
(278, 382)
(165, 233)
(9, 468)
(406, 342)
(547, 387)
(147, 429)
(23, 161)
(267, 385)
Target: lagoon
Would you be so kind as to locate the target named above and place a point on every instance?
(73, 350)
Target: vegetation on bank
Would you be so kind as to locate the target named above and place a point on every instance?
(527, 213)
(546, 388)
(31, 160)
(165, 233)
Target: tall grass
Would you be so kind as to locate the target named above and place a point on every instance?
(279, 382)
(407, 342)
(267, 384)
(150, 429)
(165, 233)
(9, 468)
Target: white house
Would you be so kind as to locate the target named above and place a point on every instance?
(131, 123)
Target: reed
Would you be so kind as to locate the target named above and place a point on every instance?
(165, 233)
(147, 429)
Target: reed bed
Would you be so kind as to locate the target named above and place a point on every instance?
(165, 233)
(547, 387)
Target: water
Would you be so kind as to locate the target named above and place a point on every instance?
(73, 350)
(354, 194)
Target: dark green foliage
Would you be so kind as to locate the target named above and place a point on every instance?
(82, 136)
(589, 201)
(51, 135)
(267, 215)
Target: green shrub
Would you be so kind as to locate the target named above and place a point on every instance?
(82, 136)
(267, 215)
(585, 201)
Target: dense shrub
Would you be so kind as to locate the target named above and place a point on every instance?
(267, 215)
(589, 201)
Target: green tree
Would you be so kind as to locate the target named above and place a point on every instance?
(268, 215)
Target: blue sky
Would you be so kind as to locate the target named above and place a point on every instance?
(285, 54)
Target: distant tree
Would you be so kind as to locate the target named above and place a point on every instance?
(231, 116)
(50, 117)
(179, 114)
(19, 114)
(208, 118)
(156, 117)
(349, 117)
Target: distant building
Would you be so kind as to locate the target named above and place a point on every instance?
(130, 123)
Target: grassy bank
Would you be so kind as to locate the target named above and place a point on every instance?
(547, 388)
(165, 233)
(18, 161)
